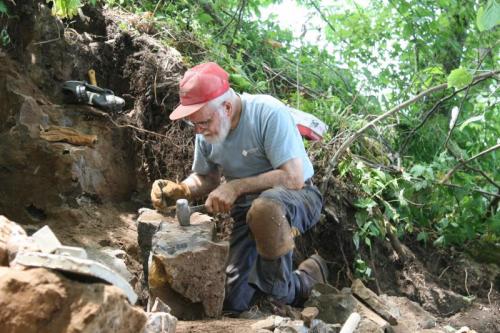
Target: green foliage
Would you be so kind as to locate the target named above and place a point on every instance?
(65, 8)
(361, 269)
(459, 78)
(3, 7)
(4, 37)
(488, 17)
(374, 57)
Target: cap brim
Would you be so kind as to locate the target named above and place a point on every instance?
(182, 111)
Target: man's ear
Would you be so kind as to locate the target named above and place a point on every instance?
(228, 107)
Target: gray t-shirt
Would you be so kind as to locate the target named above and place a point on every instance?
(266, 137)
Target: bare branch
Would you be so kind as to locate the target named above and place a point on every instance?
(488, 194)
(325, 19)
(433, 110)
(240, 16)
(463, 162)
(238, 13)
(482, 173)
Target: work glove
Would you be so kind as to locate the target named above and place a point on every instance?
(165, 192)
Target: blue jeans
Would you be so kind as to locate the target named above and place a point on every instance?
(247, 272)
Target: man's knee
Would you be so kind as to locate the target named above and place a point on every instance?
(270, 228)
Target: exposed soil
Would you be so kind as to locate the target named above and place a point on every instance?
(145, 73)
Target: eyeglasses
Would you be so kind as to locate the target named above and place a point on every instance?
(201, 124)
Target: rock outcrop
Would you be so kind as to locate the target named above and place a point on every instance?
(39, 300)
(66, 174)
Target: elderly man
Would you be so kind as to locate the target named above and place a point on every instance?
(253, 142)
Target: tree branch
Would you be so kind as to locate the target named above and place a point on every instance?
(488, 194)
(240, 15)
(323, 17)
(433, 109)
(482, 173)
(207, 8)
(463, 162)
(333, 162)
(462, 105)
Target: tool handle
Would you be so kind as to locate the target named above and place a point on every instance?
(92, 79)
(198, 209)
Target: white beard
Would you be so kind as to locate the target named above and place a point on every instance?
(224, 128)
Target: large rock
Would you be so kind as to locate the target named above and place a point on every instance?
(11, 237)
(334, 306)
(41, 301)
(187, 268)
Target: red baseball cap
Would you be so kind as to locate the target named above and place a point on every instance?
(200, 85)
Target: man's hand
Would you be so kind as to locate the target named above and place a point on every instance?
(165, 192)
(221, 199)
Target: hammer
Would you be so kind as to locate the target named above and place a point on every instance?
(183, 211)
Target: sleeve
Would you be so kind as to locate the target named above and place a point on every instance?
(282, 141)
(201, 164)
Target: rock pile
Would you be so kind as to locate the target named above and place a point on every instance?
(48, 287)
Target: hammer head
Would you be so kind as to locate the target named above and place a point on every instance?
(182, 211)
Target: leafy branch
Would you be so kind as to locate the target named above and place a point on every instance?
(453, 120)
(334, 161)
(433, 110)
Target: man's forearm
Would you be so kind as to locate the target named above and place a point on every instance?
(289, 175)
(266, 181)
(200, 185)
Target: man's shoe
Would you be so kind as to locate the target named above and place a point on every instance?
(311, 271)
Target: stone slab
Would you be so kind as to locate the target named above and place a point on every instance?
(371, 299)
(72, 251)
(108, 257)
(46, 240)
(76, 265)
(381, 324)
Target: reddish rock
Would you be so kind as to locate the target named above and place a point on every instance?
(43, 301)
(11, 237)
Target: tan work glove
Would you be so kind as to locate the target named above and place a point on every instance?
(165, 192)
